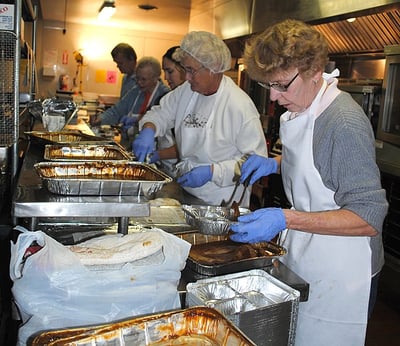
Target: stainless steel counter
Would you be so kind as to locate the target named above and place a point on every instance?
(34, 201)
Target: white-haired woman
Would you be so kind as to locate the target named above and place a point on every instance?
(215, 122)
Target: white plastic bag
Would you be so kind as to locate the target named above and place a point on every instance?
(52, 289)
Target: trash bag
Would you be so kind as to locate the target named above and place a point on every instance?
(53, 289)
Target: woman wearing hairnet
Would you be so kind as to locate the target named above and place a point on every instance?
(215, 122)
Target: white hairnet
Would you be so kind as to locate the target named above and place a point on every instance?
(208, 49)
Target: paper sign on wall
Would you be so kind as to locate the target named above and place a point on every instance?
(111, 77)
(6, 17)
(100, 76)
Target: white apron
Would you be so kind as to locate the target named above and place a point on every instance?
(337, 268)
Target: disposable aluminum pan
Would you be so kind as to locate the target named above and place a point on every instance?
(212, 220)
(264, 308)
(192, 326)
(225, 256)
(98, 178)
(85, 152)
(63, 137)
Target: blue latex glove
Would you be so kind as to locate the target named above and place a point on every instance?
(143, 144)
(261, 225)
(128, 121)
(154, 157)
(197, 177)
(259, 166)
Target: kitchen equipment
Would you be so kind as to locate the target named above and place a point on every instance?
(192, 326)
(85, 152)
(112, 178)
(229, 201)
(389, 117)
(264, 308)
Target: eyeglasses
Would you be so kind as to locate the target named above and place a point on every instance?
(277, 86)
(192, 72)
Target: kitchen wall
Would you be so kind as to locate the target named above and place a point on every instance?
(98, 74)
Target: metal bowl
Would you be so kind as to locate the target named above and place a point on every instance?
(212, 220)
(214, 226)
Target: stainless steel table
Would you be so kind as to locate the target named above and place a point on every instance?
(33, 201)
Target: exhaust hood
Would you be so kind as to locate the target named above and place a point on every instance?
(377, 24)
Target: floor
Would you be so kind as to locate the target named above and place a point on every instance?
(384, 325)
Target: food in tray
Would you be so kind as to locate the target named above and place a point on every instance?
(227, 251)
(101, 178)
(97, 170)
(87, 152)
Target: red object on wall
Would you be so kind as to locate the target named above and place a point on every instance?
(65, 57)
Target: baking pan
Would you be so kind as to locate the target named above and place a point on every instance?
(85, 152)
(225, 256)
(63, 137)
(98, 178)
(192, 326)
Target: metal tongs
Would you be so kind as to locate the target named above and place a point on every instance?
(229, 202)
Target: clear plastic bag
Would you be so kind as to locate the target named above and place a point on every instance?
(52, 289)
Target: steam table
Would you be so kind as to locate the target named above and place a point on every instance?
(34, 201)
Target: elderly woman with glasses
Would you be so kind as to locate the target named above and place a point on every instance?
(330, 177)
(215, 122)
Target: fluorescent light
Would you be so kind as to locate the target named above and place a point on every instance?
(351, 20)
(106, 10)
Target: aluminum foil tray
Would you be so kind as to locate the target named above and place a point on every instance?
(63, 137)
(212, 220)
(85, 152)
(192, 326)
(264, 308)
(101, 178)
(212, 255)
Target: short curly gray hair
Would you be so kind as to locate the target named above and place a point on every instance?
(206, 48)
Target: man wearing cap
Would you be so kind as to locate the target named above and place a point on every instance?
(215, 122)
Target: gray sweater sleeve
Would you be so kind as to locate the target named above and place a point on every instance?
(344, 154)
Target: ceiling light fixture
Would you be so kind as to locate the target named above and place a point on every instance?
(351, 20)
(106, 10)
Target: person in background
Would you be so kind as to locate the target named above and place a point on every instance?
(125, 57)
(215, 122)
(166, 153)
(129, 110)
(333, 230)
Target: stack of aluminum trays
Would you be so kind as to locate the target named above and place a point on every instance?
(261, 306)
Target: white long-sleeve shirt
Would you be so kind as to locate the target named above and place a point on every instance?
(217, 129)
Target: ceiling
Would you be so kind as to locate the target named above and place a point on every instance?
(370, 33)
(171, 16)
